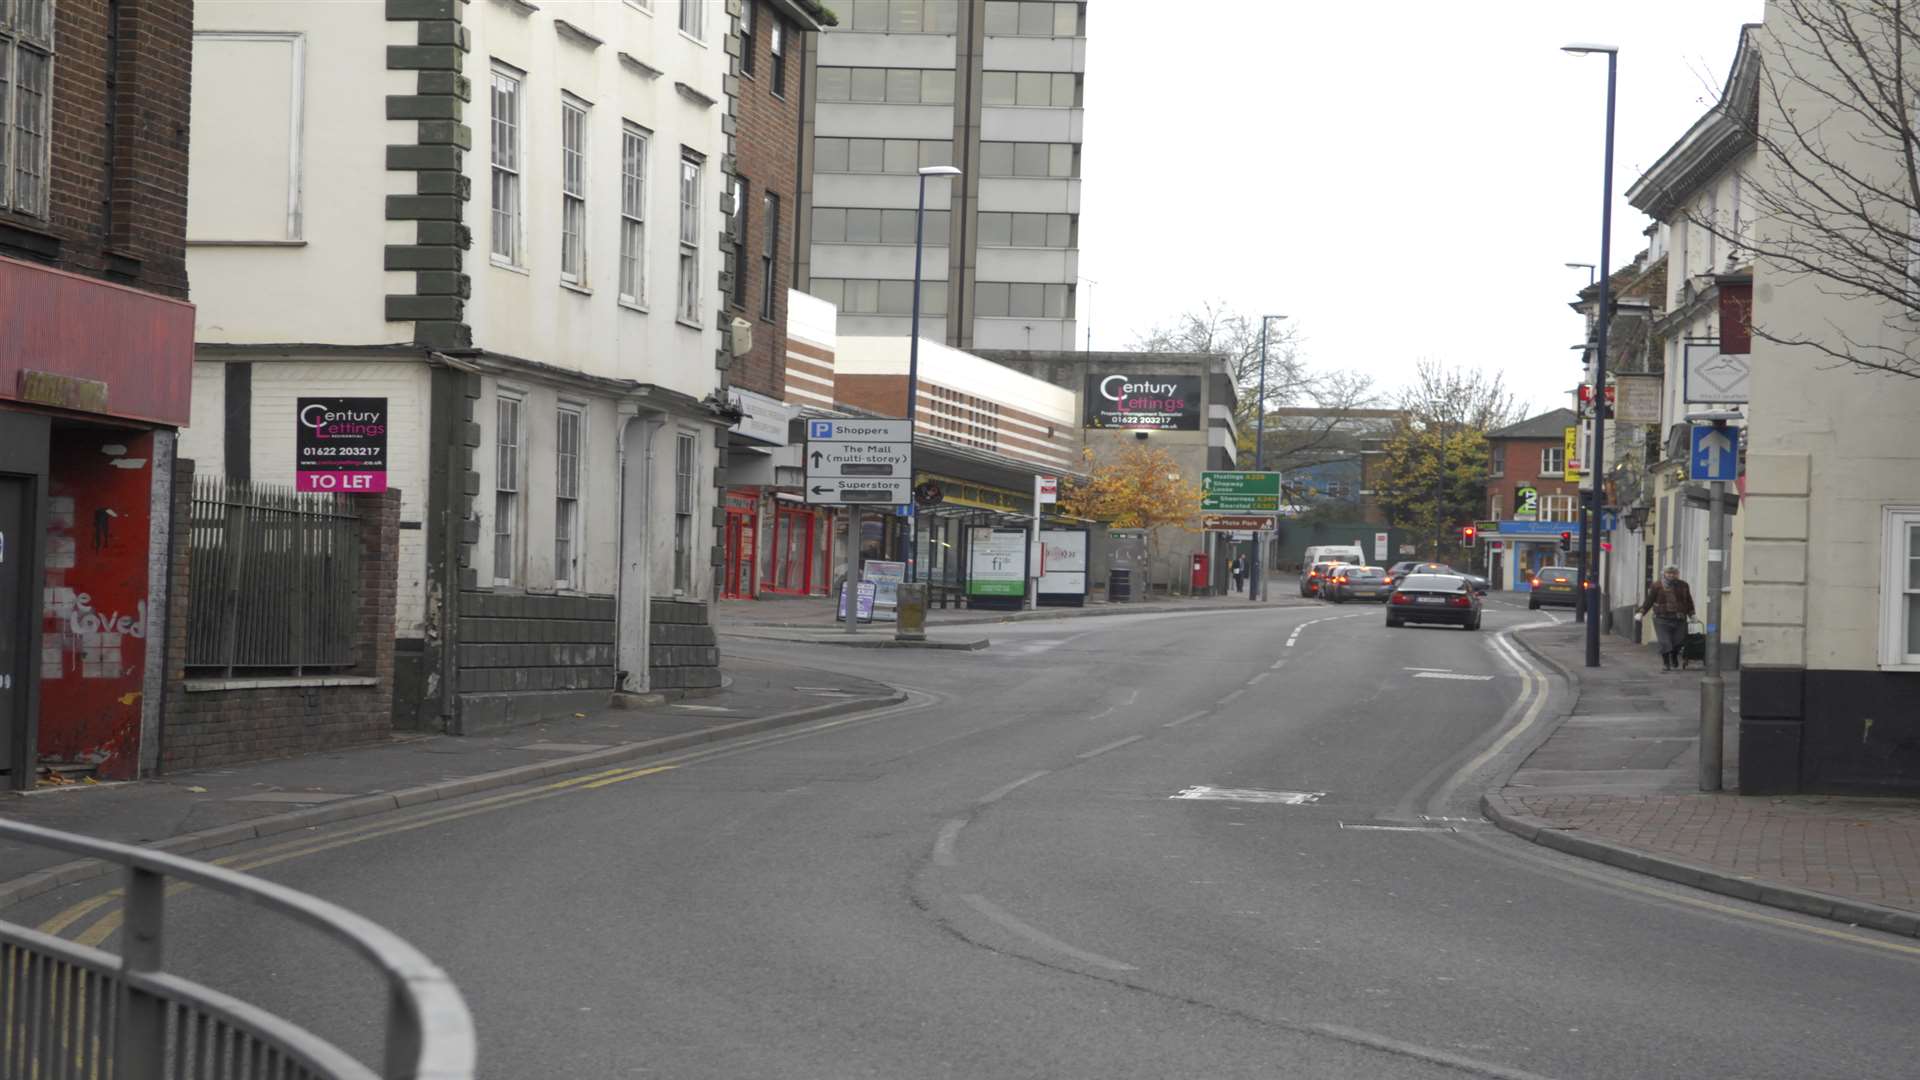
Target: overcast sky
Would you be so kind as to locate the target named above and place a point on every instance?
(1402, 179)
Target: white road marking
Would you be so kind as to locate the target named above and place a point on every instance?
(1256, 679)
(1133, 695)
(1108, 711)
(1007, 922)
(1427, 669)
(1007, 789)
(1184, 719)
(1399, 828)
(1276, 665)
(1413, 1050)
(1203, 793)
(1231, 696)
(1451, 675)
(705, 708)
(565, 747)
(1115, 745)
(943, 845)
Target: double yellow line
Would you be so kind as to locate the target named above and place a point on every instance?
(107, 924)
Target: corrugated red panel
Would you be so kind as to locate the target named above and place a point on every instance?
(139, 344)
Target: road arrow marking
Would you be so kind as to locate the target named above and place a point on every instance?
(1202, 793)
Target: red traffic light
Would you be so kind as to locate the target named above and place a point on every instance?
(1566, 536)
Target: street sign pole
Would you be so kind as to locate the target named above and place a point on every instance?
(852, 589)
(1713, 688)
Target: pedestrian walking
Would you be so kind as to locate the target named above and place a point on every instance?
(1240, 573)
(1671, 602)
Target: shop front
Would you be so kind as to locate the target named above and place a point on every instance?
(792, 551)
(741, 541)
(94, 381)
(1526, 546)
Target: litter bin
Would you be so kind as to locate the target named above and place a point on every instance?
(1119, 585)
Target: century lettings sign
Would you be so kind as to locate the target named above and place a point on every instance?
(1156, 402)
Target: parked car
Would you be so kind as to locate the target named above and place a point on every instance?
(1358, 583)
(1555, 585)
(1313, 575)
(1434, 598)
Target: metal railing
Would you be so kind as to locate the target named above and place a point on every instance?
(274, 578)
(72, 1012)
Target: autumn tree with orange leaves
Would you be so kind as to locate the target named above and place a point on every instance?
(1134, 487)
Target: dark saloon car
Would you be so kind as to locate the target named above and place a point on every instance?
(1314, 576)
(1358, 583)
(1555, 585)
(1401, 569)
(1434, 598)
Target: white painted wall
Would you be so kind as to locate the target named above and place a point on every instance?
(526, 311)
(1830, 449)
(276, 385)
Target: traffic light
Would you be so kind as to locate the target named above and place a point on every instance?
(1566, 541)
(1467, 535)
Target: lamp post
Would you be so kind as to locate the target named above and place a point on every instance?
(1258, 589)
(1090, 283)
(1590, 583)
(913, 352)
(1588, 267)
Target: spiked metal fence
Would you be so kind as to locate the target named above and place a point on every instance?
(274, 577)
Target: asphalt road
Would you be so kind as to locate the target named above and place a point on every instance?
(997, 880)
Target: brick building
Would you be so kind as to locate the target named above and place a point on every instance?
(95, 369)
(761, 532)
(1531, 496)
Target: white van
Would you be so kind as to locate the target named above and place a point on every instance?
(1350, 554)
(1340, 553)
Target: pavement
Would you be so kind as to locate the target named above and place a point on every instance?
(201, 809)
(1618, 781)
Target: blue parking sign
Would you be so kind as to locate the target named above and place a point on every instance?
(819, 429)
(1716, 453)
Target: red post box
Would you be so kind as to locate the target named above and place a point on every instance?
(1201, 579)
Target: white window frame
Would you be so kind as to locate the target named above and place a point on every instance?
(693, 19)
(686, 500)
(509, 466)
(636, 145)
(1896, 525)
(16, 40)
(574, 118)
(688, 300)
(567, 541)
(507, 172)
(1553, 505)
(1558, 456)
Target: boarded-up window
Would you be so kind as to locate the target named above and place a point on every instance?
(244, 160)
(1736, 318)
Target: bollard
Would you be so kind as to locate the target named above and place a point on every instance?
(910, 611)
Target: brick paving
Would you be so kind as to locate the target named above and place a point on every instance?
(1623, 768)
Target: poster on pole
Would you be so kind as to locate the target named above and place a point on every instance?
(865, 602)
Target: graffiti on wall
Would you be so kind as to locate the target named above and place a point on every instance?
(93, 651)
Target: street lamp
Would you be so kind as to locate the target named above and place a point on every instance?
(1090, 282)
(913, 351)
(1588, 267)
(1258, 591)
(1590, 566)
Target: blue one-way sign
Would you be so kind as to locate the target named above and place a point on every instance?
(1716, 453)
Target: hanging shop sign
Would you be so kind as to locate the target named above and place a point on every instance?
(1149, 402)
(340, 444)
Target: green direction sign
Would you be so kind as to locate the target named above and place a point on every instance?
(1256, 492)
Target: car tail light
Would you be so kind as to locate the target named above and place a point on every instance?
(1461, 601)
(1402, 598)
